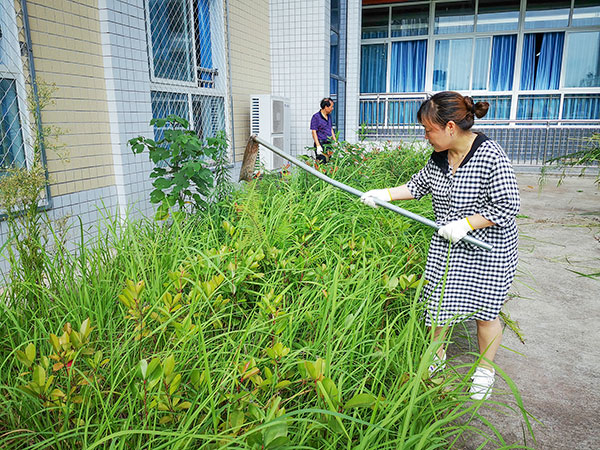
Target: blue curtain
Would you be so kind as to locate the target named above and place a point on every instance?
(542, 71)
(12, 151)
(538, 107)
(373, 66)
(372, 112)
(581, 107)
(403, 111)
(408, 66)
(503, 62)
(204, 35)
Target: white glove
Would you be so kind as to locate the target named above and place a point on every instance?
(455, 230)
(319, 150)
(368, 198)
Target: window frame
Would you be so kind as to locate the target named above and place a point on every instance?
(520, 32)
(14, 71)
(193, 88)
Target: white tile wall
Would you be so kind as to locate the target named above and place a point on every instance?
(88, 206)
(300, 61)
(353, 70)
(123, 28)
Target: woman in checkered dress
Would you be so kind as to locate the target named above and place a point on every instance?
(474, 191)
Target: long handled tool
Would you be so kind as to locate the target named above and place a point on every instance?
(249, 162)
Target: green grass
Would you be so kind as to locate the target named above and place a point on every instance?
(292, 262)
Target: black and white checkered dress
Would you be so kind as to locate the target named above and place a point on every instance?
(478, 280)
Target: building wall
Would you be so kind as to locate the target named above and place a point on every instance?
(67, 51)
(300, 61)
(250, 63)
(353, 70)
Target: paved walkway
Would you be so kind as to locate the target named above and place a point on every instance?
(557, 370)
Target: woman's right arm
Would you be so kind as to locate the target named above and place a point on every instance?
(400, 193)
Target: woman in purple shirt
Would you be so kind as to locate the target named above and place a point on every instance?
(322, 130)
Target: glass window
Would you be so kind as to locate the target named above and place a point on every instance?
(12, 151)
(581, 106)
(165, 103)
(455, 17)
(542, 58)
(582, 67)
(498, 15)
(499, 106)
(409, 60)
(171, 40)
(481, 63)
(503, 62)
(334, 55)
(375, 23)
(538, 107)
(335, 14)
(373, 66)
(586, 12)
(209, 115)
(547, 14)
(410, 20)
(452, 56)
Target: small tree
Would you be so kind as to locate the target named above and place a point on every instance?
(181, 174)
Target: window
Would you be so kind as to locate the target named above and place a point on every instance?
(582, 65)
(586, 13)
(454, 17)
(337, 64)
(373, 68)
(581, 106)
(187, 51)
(537, 107)
(410, 20)
(12, 93)
(408, 66)
(547, 14)
(498, 15)
(12, 150)
(375, 23)
(542, 59)
(530, 59)
(452, 56)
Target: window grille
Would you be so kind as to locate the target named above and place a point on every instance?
(187, 62)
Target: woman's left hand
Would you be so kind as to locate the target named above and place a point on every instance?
(455, 230)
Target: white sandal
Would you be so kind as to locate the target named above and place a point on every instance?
(483, 380)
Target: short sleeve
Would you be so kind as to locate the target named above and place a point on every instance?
(314, 124)
(503, 194)
(420, 184)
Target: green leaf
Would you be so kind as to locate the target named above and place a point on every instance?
(162, 183)
(39, 376)
(156, 196)
(175, 384)
(85, 329)
(154, 370)
(363, 400)
(30, 353)
(143, 368)
(169, 365)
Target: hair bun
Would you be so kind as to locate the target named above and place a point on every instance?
(480, 109)
(469, 104)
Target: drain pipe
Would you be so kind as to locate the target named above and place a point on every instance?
(229, 81)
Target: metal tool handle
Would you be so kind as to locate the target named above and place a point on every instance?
(351, 190)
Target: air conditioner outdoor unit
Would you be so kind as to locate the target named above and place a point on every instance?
(270, 120)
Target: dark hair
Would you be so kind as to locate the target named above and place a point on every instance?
(326, 102)
(448, 106)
